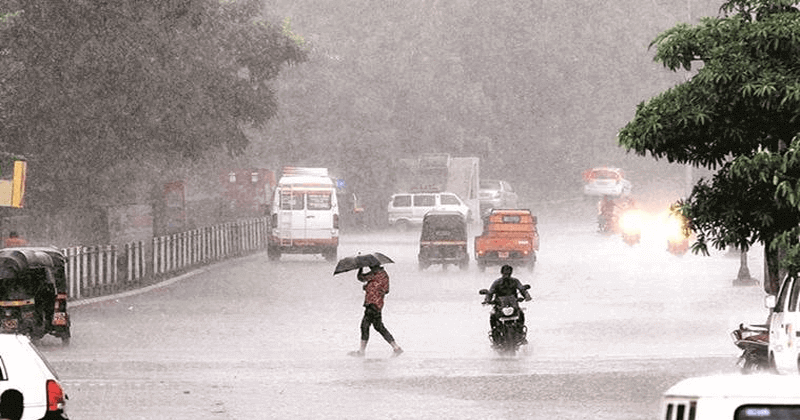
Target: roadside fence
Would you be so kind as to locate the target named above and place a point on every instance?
(105, 269)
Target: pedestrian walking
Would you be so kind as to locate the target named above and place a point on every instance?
(376, 286)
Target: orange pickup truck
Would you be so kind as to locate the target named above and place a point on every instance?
(509, 237)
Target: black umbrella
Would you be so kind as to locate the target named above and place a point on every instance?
(361, 260)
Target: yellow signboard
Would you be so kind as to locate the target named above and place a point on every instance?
(12, 192)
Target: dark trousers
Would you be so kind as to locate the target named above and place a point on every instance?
(372, 316)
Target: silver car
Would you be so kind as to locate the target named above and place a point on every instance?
(496, 194)
(606, 181)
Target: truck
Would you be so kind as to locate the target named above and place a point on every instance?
(304, 215)
(510, 236)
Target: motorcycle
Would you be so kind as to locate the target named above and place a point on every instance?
(510, 331)
(753, 340)
(607, 223)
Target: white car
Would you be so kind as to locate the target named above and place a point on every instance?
(733, 397)
(408, 209)
(24, 368)
(496, 194)
(606, 181)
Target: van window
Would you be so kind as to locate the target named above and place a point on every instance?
(319, 201)
(292, 200)
(424, 200)
(793, 297)
(402, 201)
(779, 304)
(773, 412)
(449, 199)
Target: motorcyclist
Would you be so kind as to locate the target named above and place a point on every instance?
(606, 210)
(507, 286)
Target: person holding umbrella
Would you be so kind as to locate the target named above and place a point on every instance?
(376, 286)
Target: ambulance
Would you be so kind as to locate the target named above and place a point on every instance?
(304, 214)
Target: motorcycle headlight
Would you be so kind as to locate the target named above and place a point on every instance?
(508, 311)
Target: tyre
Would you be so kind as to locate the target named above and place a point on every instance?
(464, 264)
(481, 266)
(508, 340)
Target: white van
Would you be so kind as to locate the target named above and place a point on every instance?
(733, 397)
(408, 209)
(305, 214)
(784, 327)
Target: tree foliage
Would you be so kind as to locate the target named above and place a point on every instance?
(737, 114)
(90, 85)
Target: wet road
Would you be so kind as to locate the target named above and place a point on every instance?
(611, 327)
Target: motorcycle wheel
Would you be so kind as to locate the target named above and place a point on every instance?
(508, 341)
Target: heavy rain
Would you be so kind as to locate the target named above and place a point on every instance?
(531, 93)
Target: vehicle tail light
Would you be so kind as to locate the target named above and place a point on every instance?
(61, 303)
(336, 221)
(55, 396)
(60, 318)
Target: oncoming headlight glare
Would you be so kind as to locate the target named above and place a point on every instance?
(508, 311)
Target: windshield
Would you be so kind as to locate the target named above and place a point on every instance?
(490, 184)
(16, 288)
(444, 228)
(604, 174)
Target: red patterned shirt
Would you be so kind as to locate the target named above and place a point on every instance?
(377, 285)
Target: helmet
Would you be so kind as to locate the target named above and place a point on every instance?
(506, 269)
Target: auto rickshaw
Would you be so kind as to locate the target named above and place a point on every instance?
(443, 240)
(33, 293)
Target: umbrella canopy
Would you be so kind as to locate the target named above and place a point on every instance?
(361, 260)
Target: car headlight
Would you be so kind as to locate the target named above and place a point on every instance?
(508, 311)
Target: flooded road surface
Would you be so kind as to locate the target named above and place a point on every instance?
(611, 327)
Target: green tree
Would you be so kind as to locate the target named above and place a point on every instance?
(737, 114)
(89, 86)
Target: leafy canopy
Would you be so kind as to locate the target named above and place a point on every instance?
(89, 85)
(738, 114)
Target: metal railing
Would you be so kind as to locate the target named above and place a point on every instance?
(105, 269)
